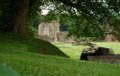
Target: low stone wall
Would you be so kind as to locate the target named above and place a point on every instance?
(45, 37)
(113, 59)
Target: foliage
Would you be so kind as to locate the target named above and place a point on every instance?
(89, 21)
(7, 14)
(96, 14)
(33, 25)
(32, 31)
(79, 27)
(64, 25)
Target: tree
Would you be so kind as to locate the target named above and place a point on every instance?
(17, 12)
(21, 18)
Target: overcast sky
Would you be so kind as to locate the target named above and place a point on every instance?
(45, 11)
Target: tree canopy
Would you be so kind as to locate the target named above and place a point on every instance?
(91, 18)
(15, 15)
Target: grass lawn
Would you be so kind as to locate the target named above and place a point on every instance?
(41, 65)
(74, 52)
(21, 53)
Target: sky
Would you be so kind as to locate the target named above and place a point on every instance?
(45, 11)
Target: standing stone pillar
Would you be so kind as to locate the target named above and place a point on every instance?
(56, 29)
(41, 29)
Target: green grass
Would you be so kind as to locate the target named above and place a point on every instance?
(20, 53)
(40, 65)
(74, 52)
(114, 45)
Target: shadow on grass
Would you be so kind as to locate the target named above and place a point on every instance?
(49, 49)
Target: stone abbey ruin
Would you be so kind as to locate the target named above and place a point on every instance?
(51, 32)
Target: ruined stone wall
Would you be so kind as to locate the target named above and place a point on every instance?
(62, 36)
(110, 38)
(48, 31)
(51, 32)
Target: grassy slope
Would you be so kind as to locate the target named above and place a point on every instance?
(19, 53)
(15, 43)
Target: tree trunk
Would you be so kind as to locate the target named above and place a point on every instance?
(20, 25)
